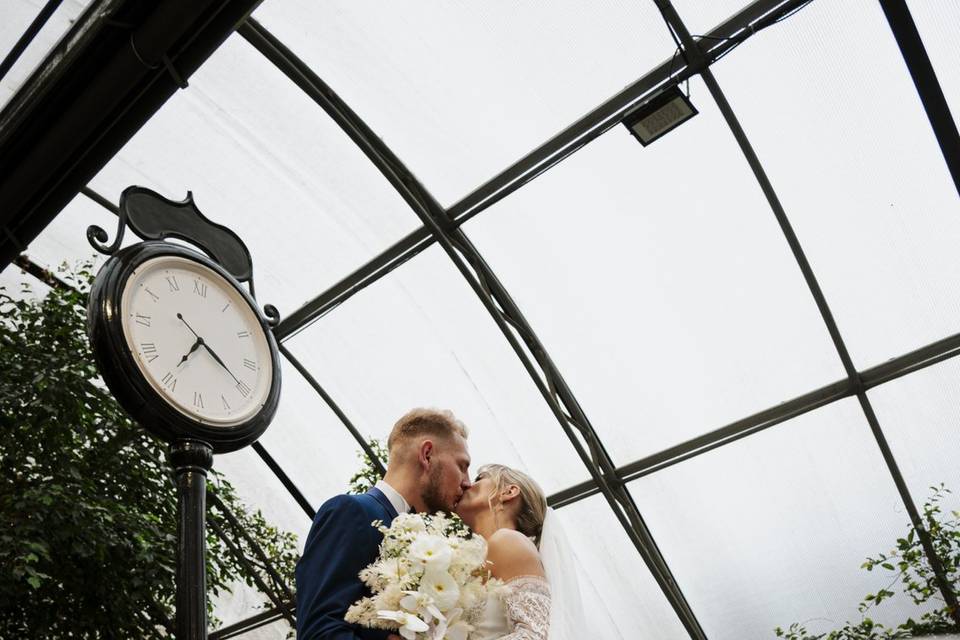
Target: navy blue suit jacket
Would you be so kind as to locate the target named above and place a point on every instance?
(341, 543)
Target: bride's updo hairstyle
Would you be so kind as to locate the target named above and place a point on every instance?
(533, 504)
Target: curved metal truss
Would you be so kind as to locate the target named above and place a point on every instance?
(443, 226)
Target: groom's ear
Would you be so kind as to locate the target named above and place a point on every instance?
(424, 453)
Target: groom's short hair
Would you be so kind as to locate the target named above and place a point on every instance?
(416, 423)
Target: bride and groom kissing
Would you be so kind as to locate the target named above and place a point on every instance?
(428, 472)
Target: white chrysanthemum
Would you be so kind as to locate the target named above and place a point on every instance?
(361, 612)
(472, 551)
(409, 522)
(440, 586)
(390, 597)
(392, 569)
(473, 594)
(432, 552)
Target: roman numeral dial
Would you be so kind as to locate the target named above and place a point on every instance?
(196, 341)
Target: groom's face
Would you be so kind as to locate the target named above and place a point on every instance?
(448, 476)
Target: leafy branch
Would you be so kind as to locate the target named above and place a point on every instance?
(90, 515)
(911, 569)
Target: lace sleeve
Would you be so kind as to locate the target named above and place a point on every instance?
(527, 601)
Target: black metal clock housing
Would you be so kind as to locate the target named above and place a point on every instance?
(162, 315)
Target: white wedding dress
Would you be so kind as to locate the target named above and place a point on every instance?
(518, 611)
(534, 608)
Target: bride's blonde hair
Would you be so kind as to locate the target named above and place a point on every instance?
(533, 504)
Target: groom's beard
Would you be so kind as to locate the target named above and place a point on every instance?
(432, 495)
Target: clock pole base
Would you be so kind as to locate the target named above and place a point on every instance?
(191, 459)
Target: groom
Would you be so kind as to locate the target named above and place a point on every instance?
(428, 472)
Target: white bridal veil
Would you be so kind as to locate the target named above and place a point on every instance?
(567, 620)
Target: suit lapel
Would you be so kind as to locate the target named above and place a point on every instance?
(379, 496)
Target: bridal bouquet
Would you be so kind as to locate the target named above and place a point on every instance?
(429, 582)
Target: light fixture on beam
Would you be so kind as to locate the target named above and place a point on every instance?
(663, 113)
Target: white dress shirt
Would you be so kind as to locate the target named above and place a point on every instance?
(397, 500)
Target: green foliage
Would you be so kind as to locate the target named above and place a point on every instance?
(368, 475)
(908, 564)
(87, 502)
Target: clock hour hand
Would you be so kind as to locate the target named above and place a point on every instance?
(196, 345)
(219, 361)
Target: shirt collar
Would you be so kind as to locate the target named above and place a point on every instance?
(397, 500)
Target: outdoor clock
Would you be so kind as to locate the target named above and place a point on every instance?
(179, 341)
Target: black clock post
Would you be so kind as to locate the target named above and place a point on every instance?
(194, 432)
(191, 459)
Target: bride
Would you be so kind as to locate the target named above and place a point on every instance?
(525, 549)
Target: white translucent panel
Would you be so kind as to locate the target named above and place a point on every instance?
(938, 22)
(421, 338)
(266, 161)
(244, 602)
(459, 90)
(850, 152)
(20, 285)
(919, 414)
(15, 17)
(660, 283)
(309, 442)
(700, 17)
(620, 596)
(772, 529)
(274, 631)
(259, 488)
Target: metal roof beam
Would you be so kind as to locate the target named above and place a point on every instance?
(497, 301)
(694, 55)
(718, 42)
(921, 358)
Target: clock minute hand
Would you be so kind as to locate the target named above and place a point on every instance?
(219, 361)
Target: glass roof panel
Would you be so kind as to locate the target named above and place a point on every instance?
(244, 602)
(461, 90)
(700, 17)
(619, 594)
(265, 160)
(772, 529)
(938, 22)
(17, 17)
(848, 147)
(21, 286)
(919, 414)
(304, 432)
(259, 489)
(421, 338)
(660, 283)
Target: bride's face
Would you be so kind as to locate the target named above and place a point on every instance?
(476, 499)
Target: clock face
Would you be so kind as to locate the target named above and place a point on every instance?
(196, 340)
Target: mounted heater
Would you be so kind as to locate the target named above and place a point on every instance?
(662, 114)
